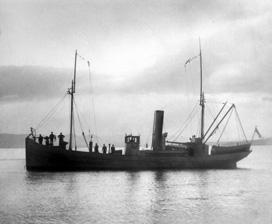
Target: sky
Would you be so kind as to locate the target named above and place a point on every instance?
(137, 51)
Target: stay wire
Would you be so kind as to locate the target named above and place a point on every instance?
(225, 126)
(51, 112)
(80, 124)
(91, 93)
(88, 62)
(180, 131)
(240, 124)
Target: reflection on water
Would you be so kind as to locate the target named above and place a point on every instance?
(196, 196)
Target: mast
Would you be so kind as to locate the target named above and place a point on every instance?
(72, 91)
(201, 97)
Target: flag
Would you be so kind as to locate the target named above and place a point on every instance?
(189, 60)
(258, 133)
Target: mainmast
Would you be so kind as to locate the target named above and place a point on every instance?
(202, 103)
(72, 91)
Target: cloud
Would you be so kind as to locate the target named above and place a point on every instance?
(137, 51)
(27, 82)
(166, 75)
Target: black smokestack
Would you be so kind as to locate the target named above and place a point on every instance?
(157, 130)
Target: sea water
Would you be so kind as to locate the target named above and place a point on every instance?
(242, 195)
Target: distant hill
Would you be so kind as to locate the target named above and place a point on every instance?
(263, 141)
(18, 140)
(12, 141)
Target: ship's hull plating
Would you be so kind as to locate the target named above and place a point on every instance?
(48, 158)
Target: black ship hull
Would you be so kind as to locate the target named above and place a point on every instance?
(53, 158)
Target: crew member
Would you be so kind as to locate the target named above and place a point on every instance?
(32, 133)
(104, 149)
(96, 148)
(40, 139)
(112, 149)
(61, 137)
(46, 140)
(52, 137)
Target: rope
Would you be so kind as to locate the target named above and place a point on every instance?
(238, 129)
(208, 109)
(192, 84)
(186, 122)
(91, 94)
(240, 124)
(189, 60)
(80, 123)
(46, 118)
(225, 126)
(89, 100)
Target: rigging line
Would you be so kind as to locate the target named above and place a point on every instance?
(238, 128)
(188, 121)
(225, 126)
(89, 105)
(80, 123)
(45, 119)
(188, 93)
(91, 89)
(210, 111)
(81, 57)
(51, 112)
(185, 123)
(208, 100)
(89, 102)
(192, 81)
(196, 110)
(78, 116)
(189, 60)
(241, 124)
(80, 113)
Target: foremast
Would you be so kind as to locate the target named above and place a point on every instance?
(201, 138)
(71, 91)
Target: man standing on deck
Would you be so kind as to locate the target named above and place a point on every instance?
(46, 140)
(112, 149)
(40, 139)
(104, 149)
(96, 148)
(52, 137)
(61, 137)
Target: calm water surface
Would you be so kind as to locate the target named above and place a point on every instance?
(243, 195)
